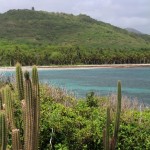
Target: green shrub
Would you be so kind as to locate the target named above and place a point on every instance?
(91, 99)
(70, 124)
(80, 126)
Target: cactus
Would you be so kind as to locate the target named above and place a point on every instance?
(32, 110)
(29, 123)
(19, 81)
(29, 97)
(106, 131)
(20, 90)
(2, 99)
(15, 139)
(117, 119)
(9, 106)
(110, 145)
(1, 104)
(3, 131)
(35, 90)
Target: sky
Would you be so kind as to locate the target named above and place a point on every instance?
(122, 13)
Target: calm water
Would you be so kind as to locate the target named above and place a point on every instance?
(135, 81)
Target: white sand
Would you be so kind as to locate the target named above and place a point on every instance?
(72, 67)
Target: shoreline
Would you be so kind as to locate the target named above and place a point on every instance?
(69, 67)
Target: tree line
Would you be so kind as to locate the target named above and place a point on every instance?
(72, 55)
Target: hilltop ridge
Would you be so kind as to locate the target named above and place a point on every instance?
(28, 26)
(132, 30)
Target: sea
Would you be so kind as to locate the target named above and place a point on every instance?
(101, 81)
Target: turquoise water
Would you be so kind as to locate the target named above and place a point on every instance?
(135, 81)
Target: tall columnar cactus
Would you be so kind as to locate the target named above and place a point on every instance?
(29, 96)
(106, 131)
(1, 104)
(16, 139)
(29, 123)
(9, 106)
(117, 119)
(110, 145)
(35, 91)
(2, 99)
(20, 90)
(19, 81)
(3, 131)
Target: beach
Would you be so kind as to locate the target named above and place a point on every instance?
(57, 67)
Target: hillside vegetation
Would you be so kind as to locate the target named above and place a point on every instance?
(52, 35)
(61, 29)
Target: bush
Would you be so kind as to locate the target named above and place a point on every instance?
(70, 124)
(80, 126)
(91, 99)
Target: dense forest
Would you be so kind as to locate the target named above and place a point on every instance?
(72, 55)
(43, 38)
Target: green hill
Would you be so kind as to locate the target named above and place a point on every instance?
(38, 27)
(43, 38)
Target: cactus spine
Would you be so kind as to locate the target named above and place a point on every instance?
(15, 139)
(19, 81)
(3, 131)
(110, 145)
(35, 89)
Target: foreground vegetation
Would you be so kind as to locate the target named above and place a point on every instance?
(70, 124)
(79, 124)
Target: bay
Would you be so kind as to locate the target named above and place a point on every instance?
(103, 81)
